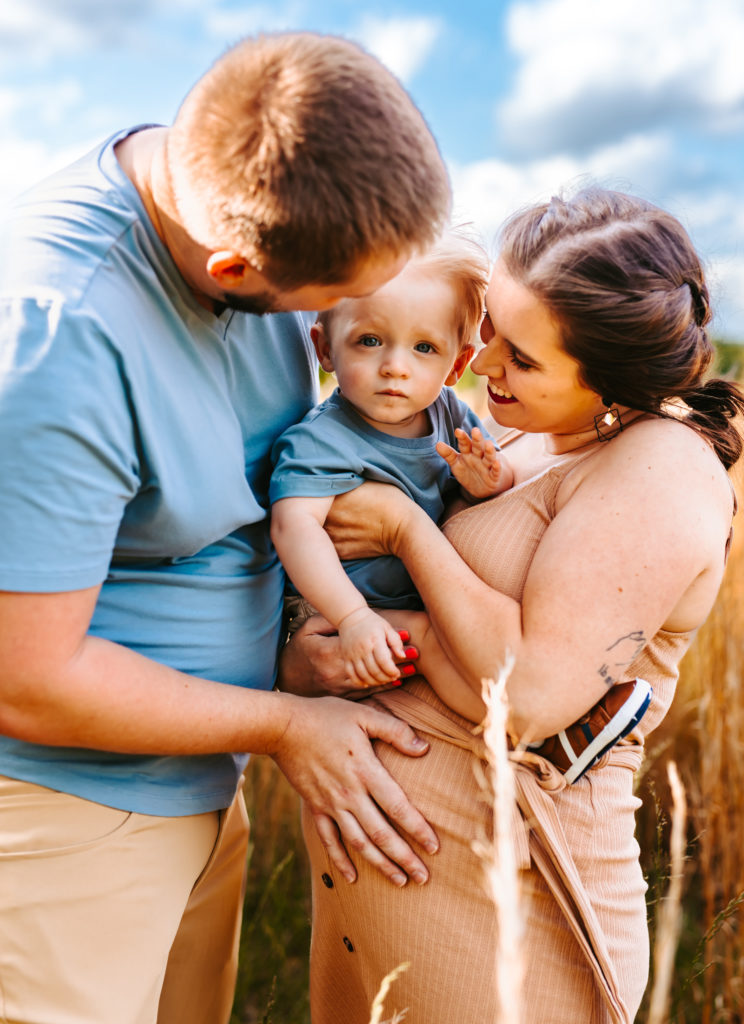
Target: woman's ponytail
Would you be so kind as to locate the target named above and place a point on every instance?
(713, 408)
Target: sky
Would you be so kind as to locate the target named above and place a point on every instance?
(525, 97)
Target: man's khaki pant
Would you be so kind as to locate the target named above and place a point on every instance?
(110, 917)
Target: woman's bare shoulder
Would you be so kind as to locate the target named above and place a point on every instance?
(664, 456)
(666, 439)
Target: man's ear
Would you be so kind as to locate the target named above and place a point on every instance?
(322, 348)
(458, 367)
(227, 268)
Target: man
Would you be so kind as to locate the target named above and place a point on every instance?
(141, 599)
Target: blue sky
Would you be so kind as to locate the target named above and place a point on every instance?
(524, 97)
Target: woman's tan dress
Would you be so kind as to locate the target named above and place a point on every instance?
(585, 941)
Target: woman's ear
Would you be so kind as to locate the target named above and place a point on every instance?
(322, 347)
(458, 367)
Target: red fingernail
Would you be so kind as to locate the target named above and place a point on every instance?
(397, 682)
(404, 635)
(408, 670)
(411, 653)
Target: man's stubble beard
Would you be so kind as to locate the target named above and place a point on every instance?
(258, 305)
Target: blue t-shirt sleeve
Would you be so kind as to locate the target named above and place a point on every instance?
(314, 459)
(68, 461)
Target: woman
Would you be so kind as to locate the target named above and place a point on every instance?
(598, 566)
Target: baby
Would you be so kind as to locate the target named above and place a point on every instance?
(393, 419)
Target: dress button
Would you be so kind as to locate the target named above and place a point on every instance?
(348, 944)
(327, 881)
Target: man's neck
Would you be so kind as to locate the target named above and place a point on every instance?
(138, 154)
(142, 157)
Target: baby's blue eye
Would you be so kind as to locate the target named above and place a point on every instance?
(369, 340)
(424, 346)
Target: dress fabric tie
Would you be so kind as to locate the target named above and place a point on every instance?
(538, 834)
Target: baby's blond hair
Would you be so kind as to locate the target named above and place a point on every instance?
(460, 259)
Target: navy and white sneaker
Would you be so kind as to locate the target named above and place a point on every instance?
(574, 750)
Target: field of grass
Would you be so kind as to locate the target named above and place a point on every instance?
(703, 735)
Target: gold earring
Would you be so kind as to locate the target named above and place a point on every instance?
(608, 423)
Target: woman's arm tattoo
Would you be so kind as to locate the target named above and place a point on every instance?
(624, 651)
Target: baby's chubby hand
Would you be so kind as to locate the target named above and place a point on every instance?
(478, 467)
(368, 643)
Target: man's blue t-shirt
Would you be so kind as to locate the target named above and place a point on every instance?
(135, 432)
(334, 450)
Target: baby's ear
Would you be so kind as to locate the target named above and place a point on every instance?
(322, 348)
(458, 367)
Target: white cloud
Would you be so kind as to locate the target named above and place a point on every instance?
(487, 191)
(592, 71)
(715, 219)
(51, 103)
(726, 277)
(26, 161)
(715, 211)
(232, 24)
(35, 30)
(29, 118)
(402, 44)
(10, 102)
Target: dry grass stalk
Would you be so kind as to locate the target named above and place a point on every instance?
(704, 732)
(670, 910)
(712, 677)
(501, 868)
(379, 1001)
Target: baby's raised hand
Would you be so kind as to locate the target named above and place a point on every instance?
(478, 467)
(368, 643)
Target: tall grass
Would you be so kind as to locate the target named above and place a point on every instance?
(669, 917)
(499, 856)
(704, 734)
(274, 945)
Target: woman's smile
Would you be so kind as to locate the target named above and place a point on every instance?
(499, 395)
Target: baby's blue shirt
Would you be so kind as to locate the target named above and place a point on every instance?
(334, 450)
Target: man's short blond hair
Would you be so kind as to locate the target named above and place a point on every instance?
(459, 259)
(306, 156)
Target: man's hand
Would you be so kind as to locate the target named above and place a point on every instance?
(478, 467)
(326, 754)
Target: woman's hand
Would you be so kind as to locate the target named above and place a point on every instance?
(371, 520)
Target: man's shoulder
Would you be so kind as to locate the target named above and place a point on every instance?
(61, 230)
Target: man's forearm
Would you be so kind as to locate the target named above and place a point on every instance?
(61, 686)
(110, 698)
